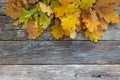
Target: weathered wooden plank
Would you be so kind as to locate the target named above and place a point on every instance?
(59, 72)
(59, 52)
(8, 32)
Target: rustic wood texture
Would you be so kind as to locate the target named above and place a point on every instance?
(8, 32)
(60, 72)
(20, 54)
(59, 52)
(15, 48)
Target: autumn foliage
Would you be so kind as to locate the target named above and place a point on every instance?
(65, 17)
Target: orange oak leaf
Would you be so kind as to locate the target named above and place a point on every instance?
(91, 22)
(32, 32)
(14, 8)
(106, 9)
(32, 1)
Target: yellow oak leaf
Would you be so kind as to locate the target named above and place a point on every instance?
(72, 8)
(70, 22)
(57, 30)
(46, 9)
(59, 11)
(85, 4)
(67, 33)
(65, 2)
(66, 9)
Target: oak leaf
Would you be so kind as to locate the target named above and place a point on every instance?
(32, 1)
(95, 35)
(44, 20)
(70, 22)
(86, 4)
(91, 22)
(14, 8)
(32, 32)
(57, 30)
(107, 10)
(46, 9)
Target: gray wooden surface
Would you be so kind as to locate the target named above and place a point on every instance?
(8, 32)
(15, 48)
(66, 59)
(59, 72)
(59, 52)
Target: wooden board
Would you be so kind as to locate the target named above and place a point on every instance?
(59, 72)
(15, 48)
(8, 32)
(22, 59)
(59, 52)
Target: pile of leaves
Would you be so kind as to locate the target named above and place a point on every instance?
(65, 17)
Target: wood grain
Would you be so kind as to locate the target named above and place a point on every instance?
(37, 60)
(59, 52)
(8, 32)
(60, 72)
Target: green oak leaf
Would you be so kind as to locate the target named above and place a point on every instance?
(27, 15)
(43, 20)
